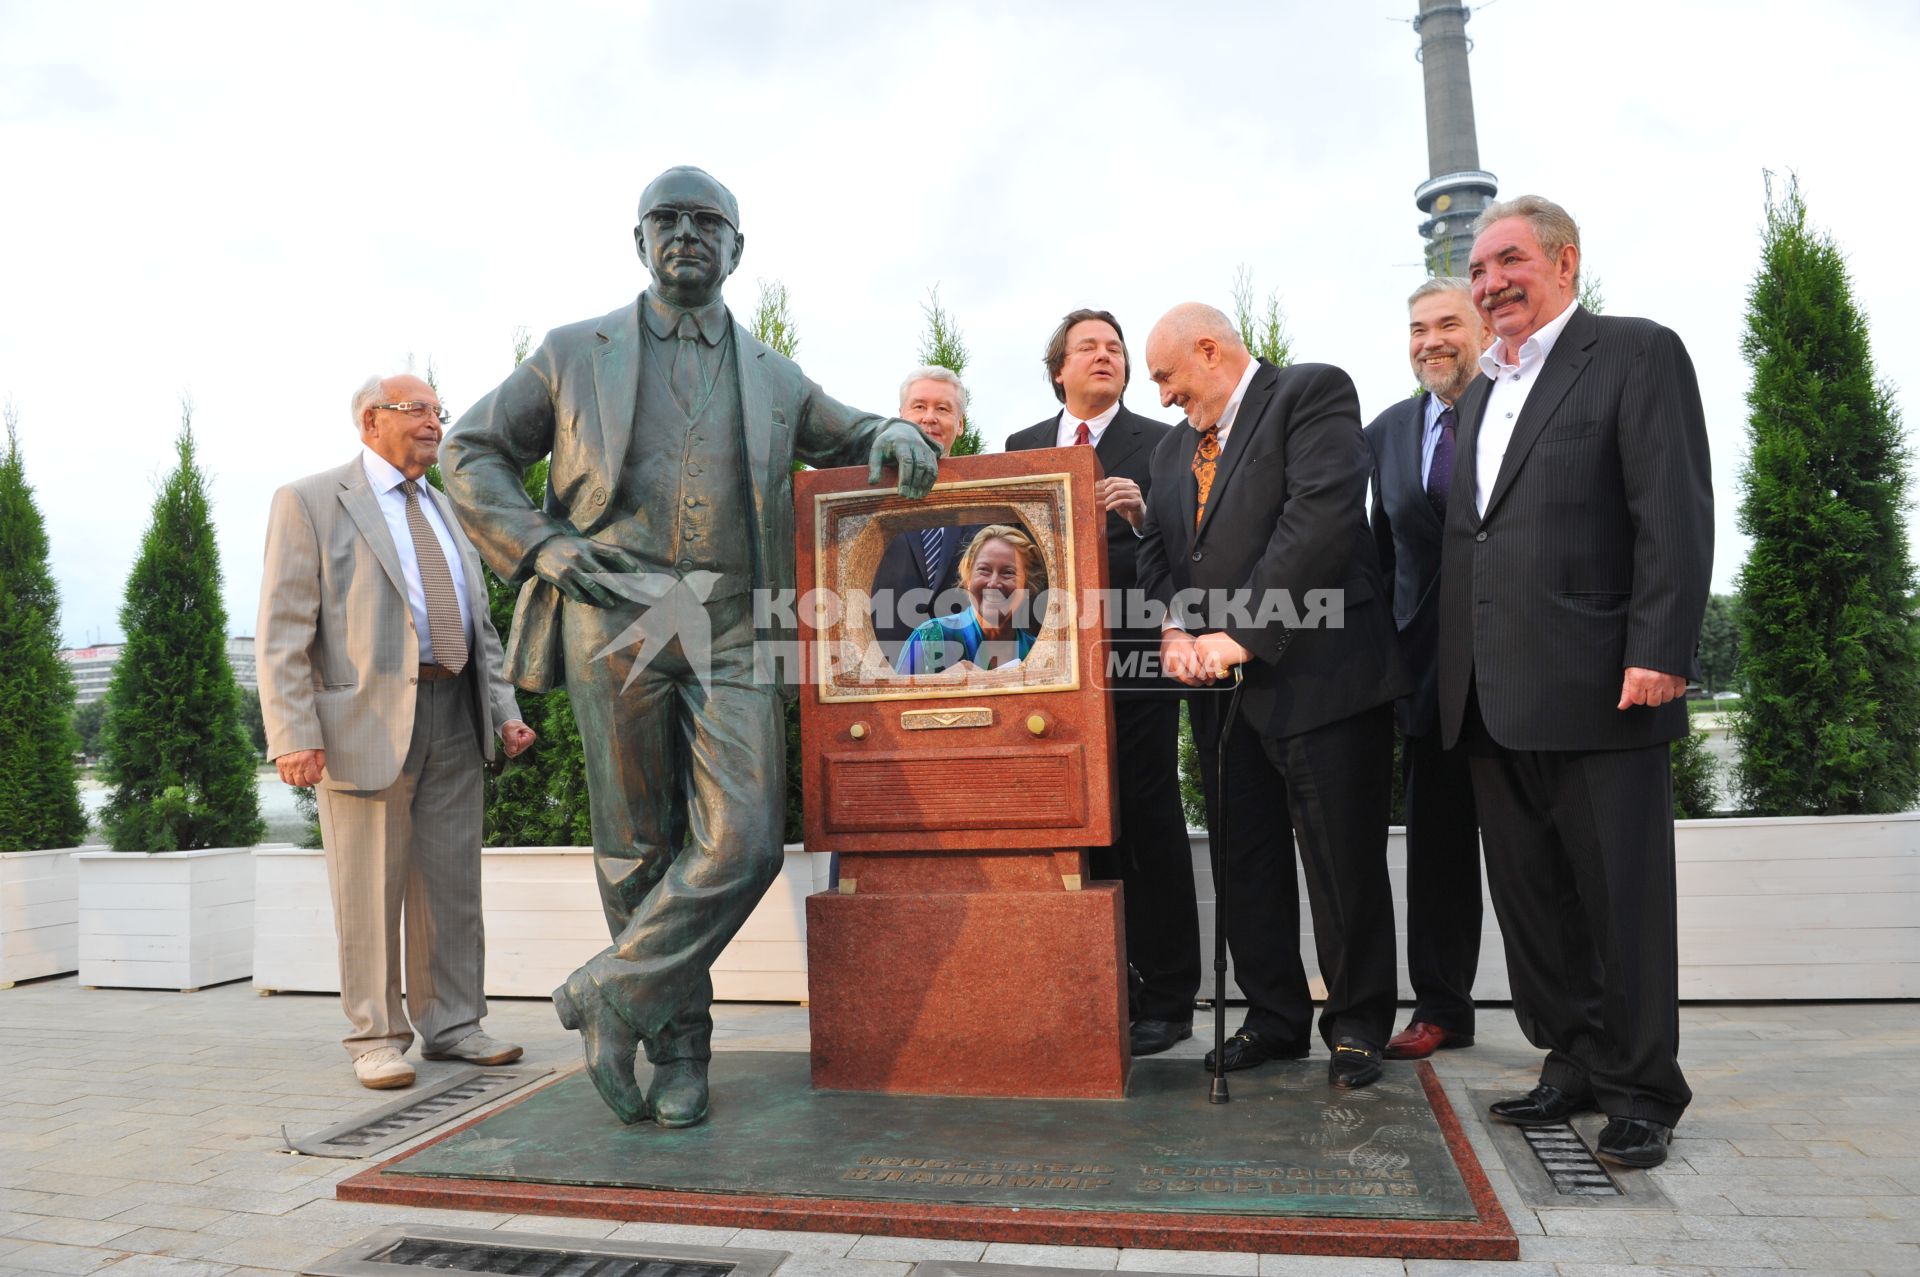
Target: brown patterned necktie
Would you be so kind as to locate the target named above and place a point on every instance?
(1204, 458)
(444, 630)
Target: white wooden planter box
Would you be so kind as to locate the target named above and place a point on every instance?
(541, 909)
(165, 920)
(1770, 909)
(39, 915)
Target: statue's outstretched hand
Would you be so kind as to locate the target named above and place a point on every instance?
(901, 443)
(575, 564)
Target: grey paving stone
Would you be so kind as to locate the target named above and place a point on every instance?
(71, 1232)
(166, 1266)
(170, 1241)
(1892, 1257)
(1330, 1266)
(44, 1257)
(917, 1249)
(1229, 1263)
(1101, 1257)
(677, 1234)
(832, 1245)
(1476, 1268)
(841, 1266)
(1586, 1250)
(559, 1225)
(1702, 1252)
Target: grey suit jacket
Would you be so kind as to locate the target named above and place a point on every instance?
(1406, 530)
(574, 397)
(339, 658)
(1595, 551)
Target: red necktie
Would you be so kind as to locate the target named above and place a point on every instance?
(1081, 434)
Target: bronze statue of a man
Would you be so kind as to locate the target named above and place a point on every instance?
(672, 432)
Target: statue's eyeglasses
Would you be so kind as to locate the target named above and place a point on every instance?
(665, 220)
(414, 408)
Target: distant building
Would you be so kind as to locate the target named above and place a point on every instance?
(93, 667)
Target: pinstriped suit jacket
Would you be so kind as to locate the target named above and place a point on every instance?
(338, 653)
(1596, 549)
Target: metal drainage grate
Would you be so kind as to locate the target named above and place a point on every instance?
(394, 1123)
(405, 1250)
(533, 1261)
(1573, 1171)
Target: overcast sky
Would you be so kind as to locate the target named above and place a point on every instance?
(259, 205)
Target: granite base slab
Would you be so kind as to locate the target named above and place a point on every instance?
(1289, 1166)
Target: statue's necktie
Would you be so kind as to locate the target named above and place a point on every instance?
(1440, 469)
(933, 541)
(1081, 434)
(444, 629)
(1205, 457)
(687, 380)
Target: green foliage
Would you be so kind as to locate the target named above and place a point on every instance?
(773, 321)
(773, 324)
(1265, 333)
(1720, 645)
(176, 753)
(1193, 799)
(1693, 777)
(88, 720)
(39, 789)
(255, 719)
(943, 347)
(1591, 298)
(1830, 661)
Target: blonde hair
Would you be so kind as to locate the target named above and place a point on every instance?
(1032, 563)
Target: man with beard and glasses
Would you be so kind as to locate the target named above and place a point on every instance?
(1574, 574)
(1413, 458)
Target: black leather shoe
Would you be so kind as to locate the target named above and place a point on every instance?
(1542, 1106)
(678, 1093)
(1634, 1141)
(1247, 1048)
(1151, 1037)
(1354, 1064)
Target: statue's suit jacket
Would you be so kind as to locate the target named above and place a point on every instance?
(1595, 551)
(1406, 528)
(574, 397)
(339, 658)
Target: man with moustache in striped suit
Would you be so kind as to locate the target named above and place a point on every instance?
(1574, 575)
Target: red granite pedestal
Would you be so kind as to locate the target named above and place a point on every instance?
(968, 973)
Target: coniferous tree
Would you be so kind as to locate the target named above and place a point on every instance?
(1830, 719)
(1720, 645)
(943, 347)
(773, 324)
(1264, 333)
(177, 755)
(39, 791)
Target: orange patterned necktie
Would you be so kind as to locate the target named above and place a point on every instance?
(1204, 457)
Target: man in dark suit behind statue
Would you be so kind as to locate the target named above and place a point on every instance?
(1413, 458)
(1088, 366)
(669, 506)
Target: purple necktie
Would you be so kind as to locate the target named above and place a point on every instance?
(1440, 470)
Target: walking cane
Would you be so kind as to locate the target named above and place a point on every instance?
(1217, 849)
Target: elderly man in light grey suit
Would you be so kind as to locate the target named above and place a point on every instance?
(669, 504)
(380, 682)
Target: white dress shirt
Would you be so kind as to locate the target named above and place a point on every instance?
(385, 481)
(1512, 383)
(1232, 409)
(1096, 426)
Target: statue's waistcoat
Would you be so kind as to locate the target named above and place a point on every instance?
(682, 499)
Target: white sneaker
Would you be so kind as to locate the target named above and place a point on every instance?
(477, 1048)
(382, 1069)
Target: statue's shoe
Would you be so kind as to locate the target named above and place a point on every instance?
(610, 1047)
(678, 1093)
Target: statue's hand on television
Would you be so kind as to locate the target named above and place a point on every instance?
(901, 443)
(575, 566)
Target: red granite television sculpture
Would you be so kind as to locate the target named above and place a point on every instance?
(964, 952)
